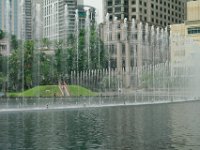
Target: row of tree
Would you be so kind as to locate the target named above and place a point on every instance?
(30, 64)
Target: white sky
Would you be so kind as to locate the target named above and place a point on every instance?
(98, 4)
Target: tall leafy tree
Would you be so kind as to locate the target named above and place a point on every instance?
(2, 34)
(28, 62)
(14, 64)
(14, 42)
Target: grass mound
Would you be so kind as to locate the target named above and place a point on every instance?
(49, 90)
(80, 91)
(43, 91)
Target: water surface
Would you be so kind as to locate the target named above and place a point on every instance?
(150, 127)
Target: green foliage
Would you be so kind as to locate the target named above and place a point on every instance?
(2, 34)
(1, 63)
(2, 80)
(28, 62)
(46, 43)
(14, 42)
(38, 68)
(14, 64)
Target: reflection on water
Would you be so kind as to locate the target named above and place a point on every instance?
(168, 126)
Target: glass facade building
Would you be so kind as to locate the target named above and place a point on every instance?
(9, 16)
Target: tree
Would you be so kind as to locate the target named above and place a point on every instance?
(45, 66)
(28, 63)
(2, 34)
(59, 57)
(46, 44)
(14, 42)
(14, 64)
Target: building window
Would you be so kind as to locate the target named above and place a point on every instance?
(133, 9)
(117, 2)
(134, 16)
(118, 36)
(140, 10)
(118, 9)
(109, 10)
(194, 30)
(109, 3)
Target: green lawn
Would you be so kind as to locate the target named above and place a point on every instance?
(49, 90)
(80, 91)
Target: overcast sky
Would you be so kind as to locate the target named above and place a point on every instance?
(98, 5)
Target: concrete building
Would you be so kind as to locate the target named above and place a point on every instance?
(116, 8)
(82, 11)
(54, 18)
(183, 34)
(4, 47)
(156, 12)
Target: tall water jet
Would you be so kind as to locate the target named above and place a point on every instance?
(147, 56)
(139, 53)
(157, 50)
(87, 37)
(6, 52)
(77, 45)
(98, 47)
(98, 39)
(146, 49)
(134, 49)
(22, 37)
(64, 64)
(8, 38)
(153, 59)
(108, 47)
(162, 45)
(119, 54)
(37, 44)
(52, 38)
(66, 22)
(127, 51)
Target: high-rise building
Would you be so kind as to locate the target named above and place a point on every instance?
(82, 11)
(116, 8)
(25, 19)
(118, 38)
(37, 19)
(28, 19)
(54, 26)
(156, 12)
(181, 50)
(9, 16)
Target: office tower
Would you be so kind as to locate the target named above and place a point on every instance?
(156, 12)
(54, 26)
(24, 19)
(37, 19)
(9, 16)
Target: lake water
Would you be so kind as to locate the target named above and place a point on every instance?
(174, 126)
